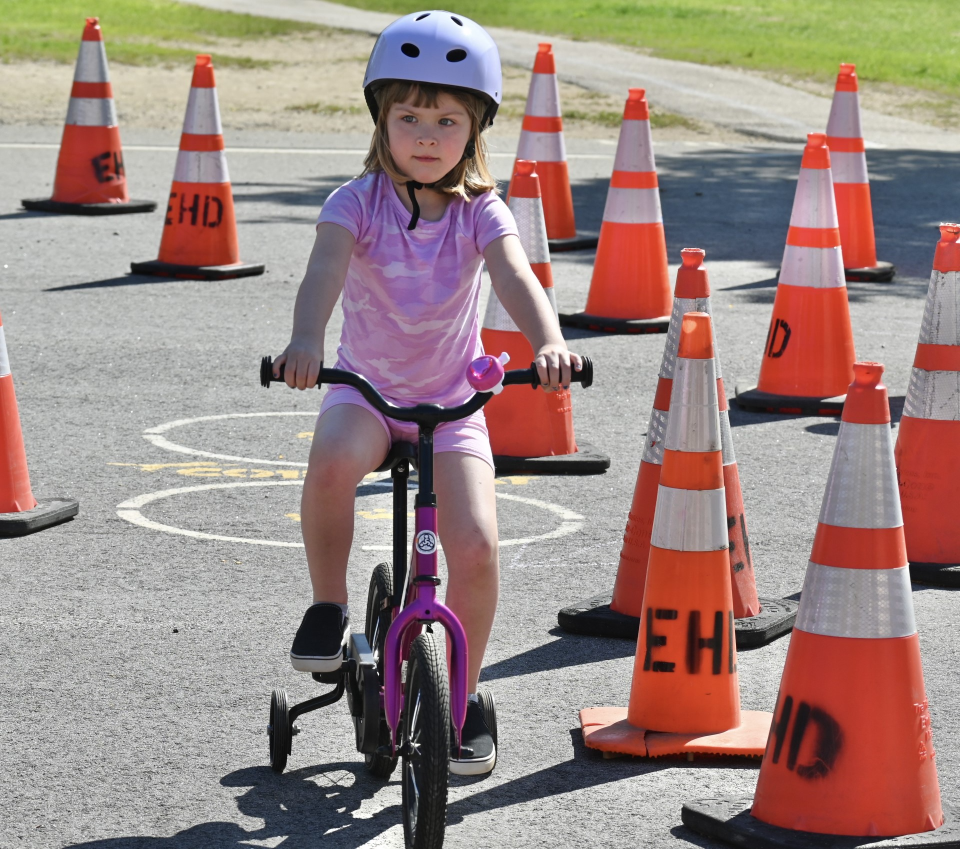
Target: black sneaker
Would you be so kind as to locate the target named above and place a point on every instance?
(318, 646)
(478, 752)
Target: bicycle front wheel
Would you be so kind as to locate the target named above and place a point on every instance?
(426, 745)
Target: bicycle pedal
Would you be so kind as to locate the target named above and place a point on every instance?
(385, 752)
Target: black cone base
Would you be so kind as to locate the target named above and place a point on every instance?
(594, 618)
(621, 326)
(936, 574)
(156, 268)
(794, 405)
(53, 511)
(729, 820)
(47, 205)
(882, 272)
(580, 242)
(587, 461)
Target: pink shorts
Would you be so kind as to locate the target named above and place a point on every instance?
(467, 436)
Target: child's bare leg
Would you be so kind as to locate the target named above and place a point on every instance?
(348, 443)
(467, 522)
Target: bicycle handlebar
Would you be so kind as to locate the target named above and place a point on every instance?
(424, 413)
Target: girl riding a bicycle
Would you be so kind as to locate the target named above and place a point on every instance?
(405, 243)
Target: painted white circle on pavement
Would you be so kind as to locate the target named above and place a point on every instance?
(130, 511)
(155, 435)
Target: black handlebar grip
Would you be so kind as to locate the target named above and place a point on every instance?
(585, 376)
(266, 372)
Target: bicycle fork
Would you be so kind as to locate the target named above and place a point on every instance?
(422, 607)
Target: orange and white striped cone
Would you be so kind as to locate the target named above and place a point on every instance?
(199, 239)
(531, 435)
(685, 696)
(91, 178)
(851, 749)
(851, 185)
(758, 621)
(928, 441)
(808, 356)
(20, 513)
(541, 141)
(630, 287)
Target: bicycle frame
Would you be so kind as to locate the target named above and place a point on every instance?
(420, 602)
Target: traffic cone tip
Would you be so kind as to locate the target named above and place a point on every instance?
(867, 401)
(636, 107)
(692, 278)
(816, 155)
(544, 62)
(847, 77)
(947, 256)
(203, 72)
(92, 31)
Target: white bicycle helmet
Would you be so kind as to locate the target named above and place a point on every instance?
(439, 48)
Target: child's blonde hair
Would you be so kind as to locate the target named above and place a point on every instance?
(469, 176)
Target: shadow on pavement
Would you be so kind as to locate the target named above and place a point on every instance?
(569, 650)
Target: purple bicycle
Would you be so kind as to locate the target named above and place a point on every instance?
(395, 673)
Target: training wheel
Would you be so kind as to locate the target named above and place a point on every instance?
(279, 730)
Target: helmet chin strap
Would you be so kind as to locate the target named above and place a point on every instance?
(469, 152)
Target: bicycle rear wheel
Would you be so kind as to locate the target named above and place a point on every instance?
(375, 629)
(426, 745)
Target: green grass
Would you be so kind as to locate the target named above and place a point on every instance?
(905, 42)
(137, 32)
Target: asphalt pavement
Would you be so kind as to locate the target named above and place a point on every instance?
(142, 639)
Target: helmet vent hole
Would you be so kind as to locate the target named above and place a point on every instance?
(410, 50)
(424, 15)
(457, 21)
(457, 55)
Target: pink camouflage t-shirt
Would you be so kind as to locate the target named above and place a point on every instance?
(411, 321)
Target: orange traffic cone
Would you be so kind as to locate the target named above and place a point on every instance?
(928, 442)
(20, 513)
(851, 186)
(808, 356)
(759, 621)
(91, 178)
(851, 750)
(685, 696)
(531, 436)
(541, 141)
(630, 287)
(199, 239)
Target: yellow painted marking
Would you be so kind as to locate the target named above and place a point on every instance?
(155, 467)
(307, 434)
(294, 516)
(516, 480)
(378, 513)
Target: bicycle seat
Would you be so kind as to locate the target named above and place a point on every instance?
(399, 452)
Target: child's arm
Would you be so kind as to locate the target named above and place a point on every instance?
(321, 286)
(522, 296)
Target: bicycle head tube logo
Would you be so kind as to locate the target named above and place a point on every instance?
(426, 542)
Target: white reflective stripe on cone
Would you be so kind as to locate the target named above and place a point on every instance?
(862, 484)
(849, 167)
(543, 98)
(681, 306)
(690, 520)
(528, 213)
(203, 113)
(92, 112)
(4, 360)
(818, 268)
(933, 395)
(694, 421)
(541, 147)
(201, 166)
(941, 314)
(865, 604)
(656, 434)
(726, 439)
(634, 148)
(633, 206)
(551, 294)
(497, 318)
(91, 63)
(813, 204)
(844, 120)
